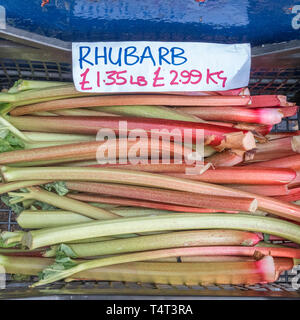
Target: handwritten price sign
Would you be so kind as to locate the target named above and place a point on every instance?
(159, 66)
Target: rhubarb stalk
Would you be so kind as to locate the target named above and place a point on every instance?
(117, 100)
(168, 240)
(262, 101)
(89, 150)
(166, 196)
(282, 209)
(217, 136)
(266, 116)
(243, 175)
(127, 245)
(87, 197)
(264, 190)
(159, 112)
(45, 237)
(235, 272)
(292, 162)
(63, 203)
(261, 271)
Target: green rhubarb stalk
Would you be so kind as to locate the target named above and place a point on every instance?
(24, 265)
(40, 95)
(12, 186)
(81, 112)
(27, 203)
(131, 177)
(281, 228)
(48, 136)
(52, 274)
(39, 219)
(159, 241)
(149, 112)
(24, 85)
(59, 162)
(19, 140)
(10, 239)
(62, 202)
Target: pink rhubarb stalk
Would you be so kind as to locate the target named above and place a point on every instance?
(292, 162)
(261, 157)
(86, 197)
(279, 135)
(88, 150)
(264, 190)
(262, 101)
(289, 111)
(242, 175)
(292, 195)
(217, 136)
(268, 116)
(148, 167)
(232, 92)
(287, 144)
(166, 196)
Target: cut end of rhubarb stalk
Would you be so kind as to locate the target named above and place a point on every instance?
(296, 144)
(238, 140)
(253, 206)
(266, 266)
(27, 240)
(282, 100)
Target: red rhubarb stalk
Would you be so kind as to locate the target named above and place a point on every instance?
(232, 92)
(127, 100)
(268, 116)
(217, 136)
(263, 101)
(262, 157)
(243, 175)
(289, 111)
(292, 162)
(279, 135)
(86, 197)
(287, 144)
(148, 167)
(166, 196)
(88, 150)
(264, 190)
(291, 196)
(255, 128)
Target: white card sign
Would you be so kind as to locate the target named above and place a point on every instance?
(159, 66)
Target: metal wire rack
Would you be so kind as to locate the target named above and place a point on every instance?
(263, 81)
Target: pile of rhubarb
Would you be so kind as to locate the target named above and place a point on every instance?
(82, 217)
